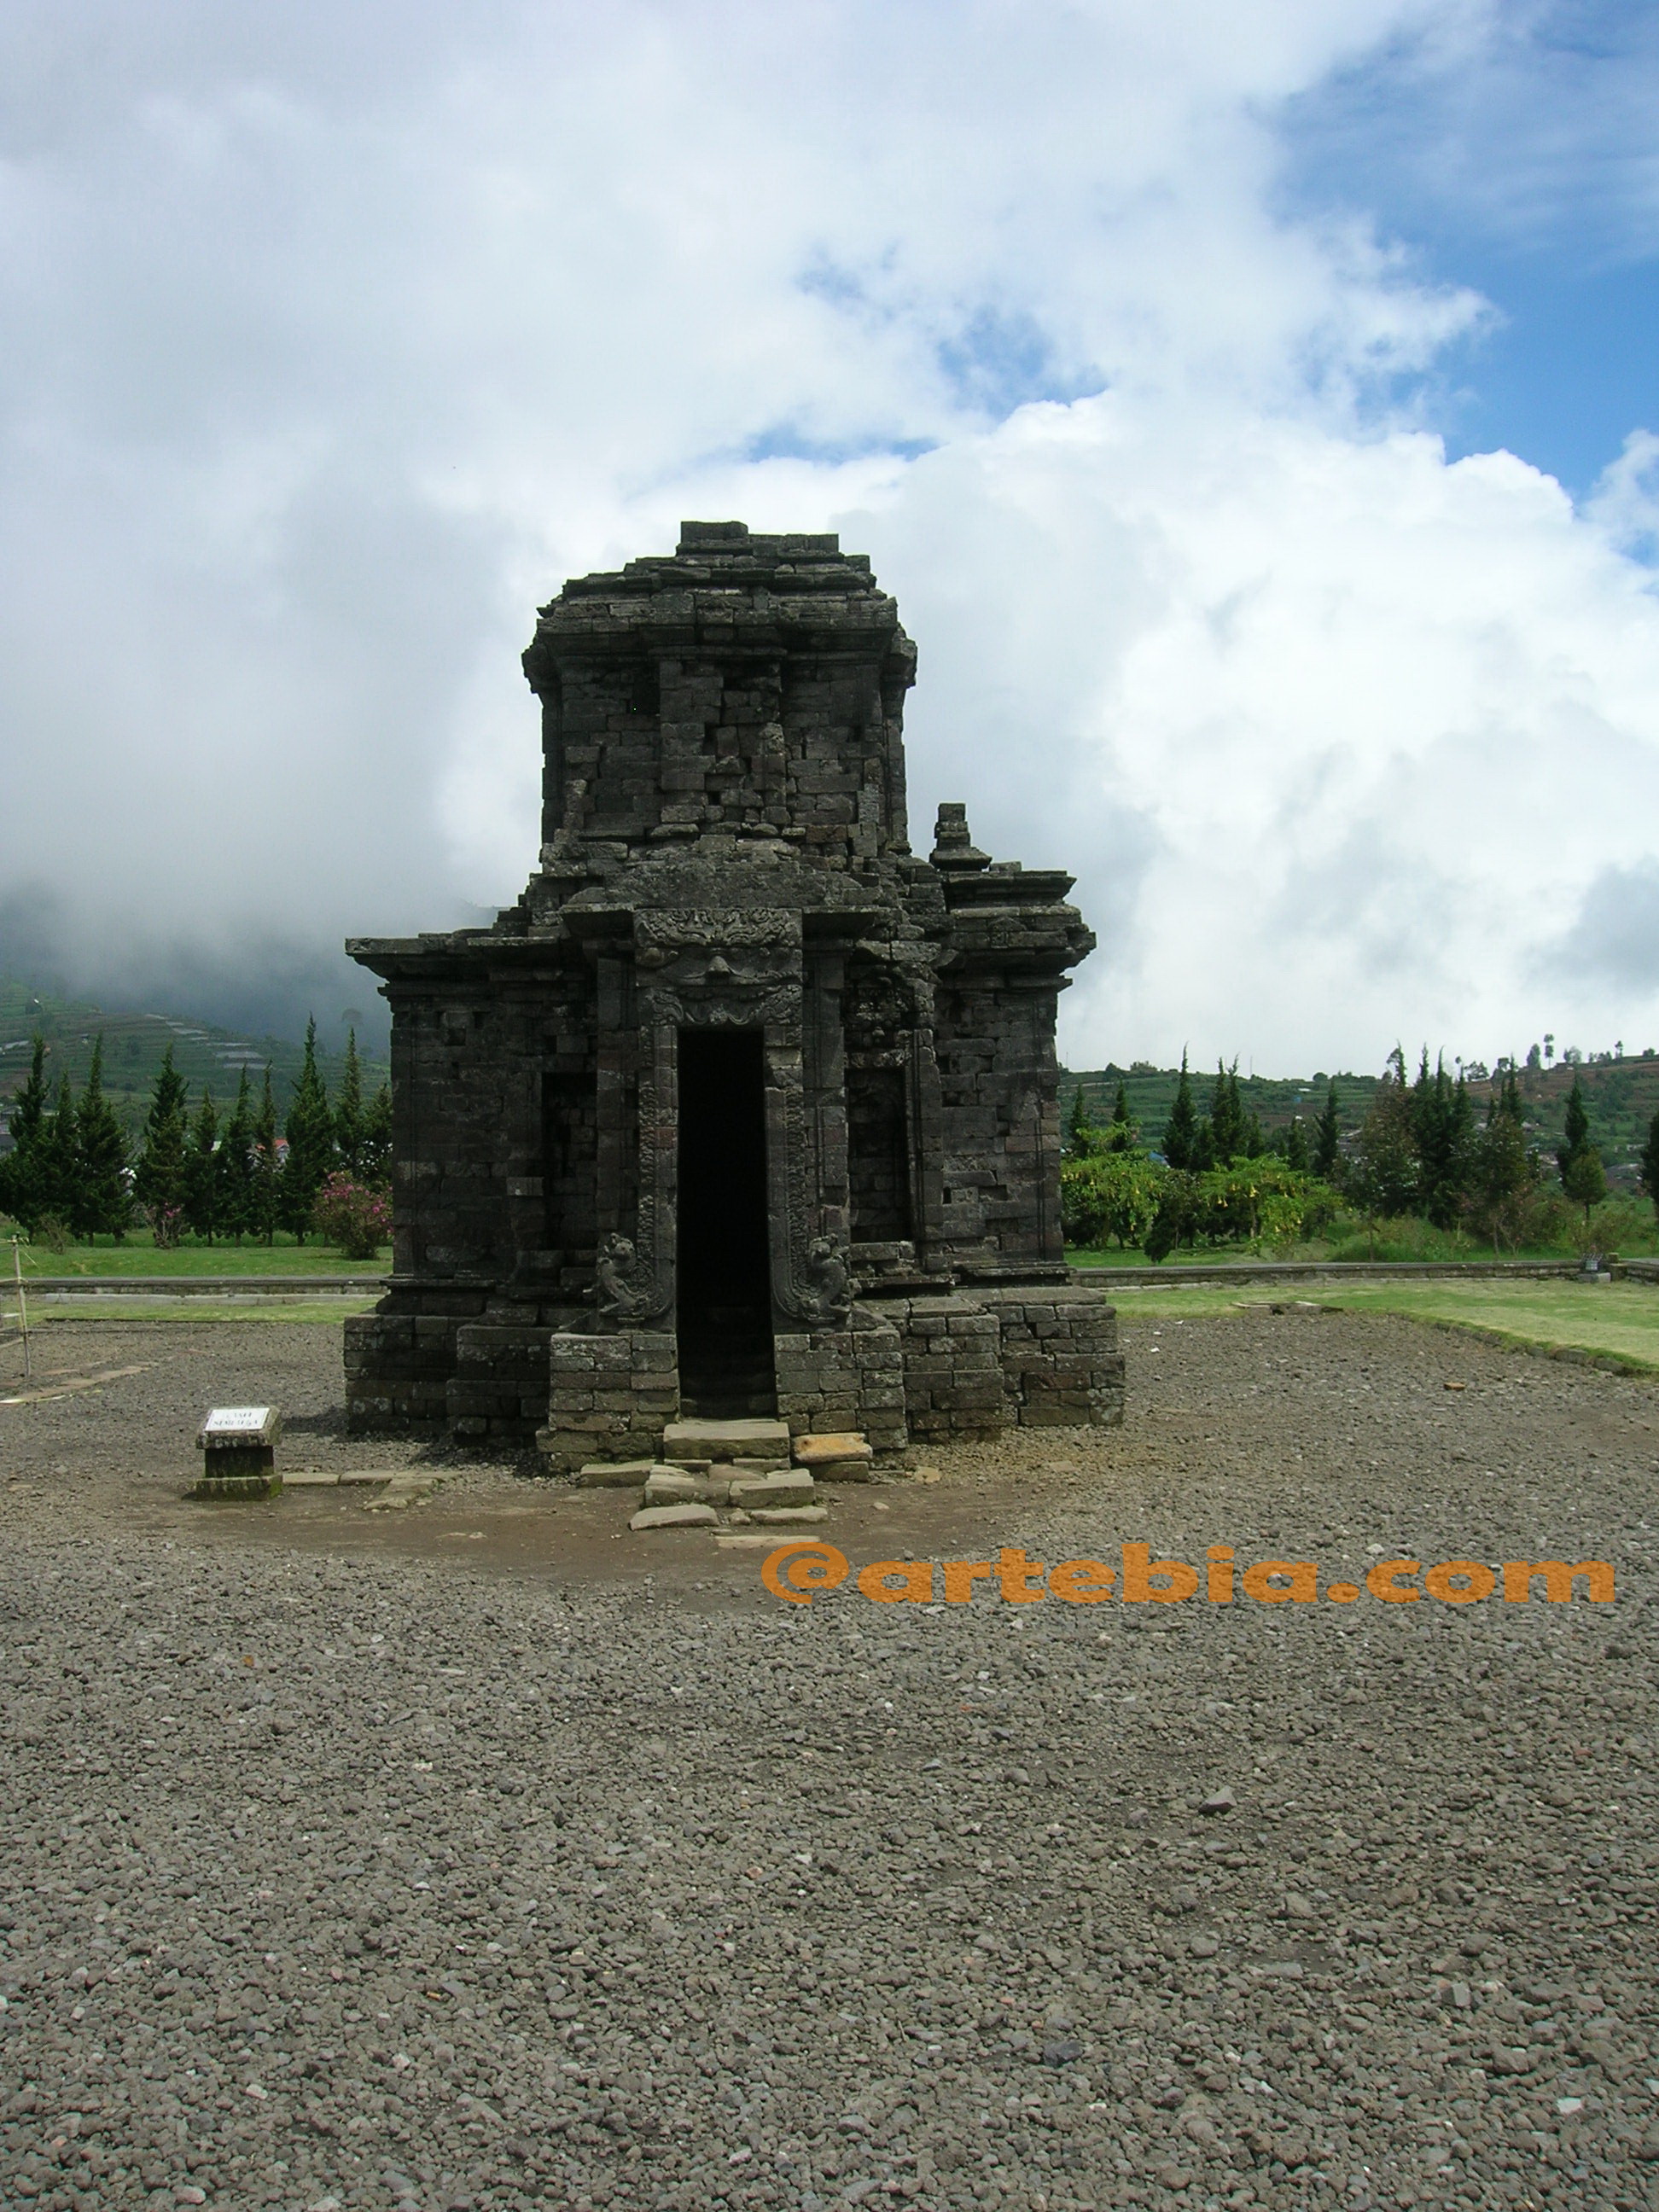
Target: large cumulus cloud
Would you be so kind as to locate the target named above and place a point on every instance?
(334, 340)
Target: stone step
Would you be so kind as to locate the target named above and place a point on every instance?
(413, 1490)
(844, 1457)
(675, 1517)
(832, 1450)
(617, 1473)
(745, 1484)
(726, 1440)
(794, 1486)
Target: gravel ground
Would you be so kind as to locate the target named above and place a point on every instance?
(480, 1856)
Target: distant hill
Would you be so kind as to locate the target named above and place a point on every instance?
(1622, 1096)
(134, 1043)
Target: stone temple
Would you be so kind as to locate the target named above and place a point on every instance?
(743, 1108)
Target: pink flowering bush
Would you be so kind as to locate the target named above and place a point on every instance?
(352, 1216)
(167, 1225)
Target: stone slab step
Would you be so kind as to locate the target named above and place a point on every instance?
(674, 1486)
(730, 1485)
(726, 1440)
(784, 1517)
(832, 1450)
(793, 1487)
(231, 1489)
(675, 1517)
(616, 1474)
(398, 1495)
(329, 1478)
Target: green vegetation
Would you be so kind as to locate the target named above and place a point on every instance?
(207, 1058)
(138, 1255)
(1437, 1167)
(1620, 1092)
(1617, 1323)
(70, 1173)
(1215, 1183)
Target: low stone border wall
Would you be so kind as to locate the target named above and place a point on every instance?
(1307, 1271)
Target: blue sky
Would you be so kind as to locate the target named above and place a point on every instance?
(1123, 339)
(1530, 172)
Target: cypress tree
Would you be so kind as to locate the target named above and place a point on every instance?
(1650, 1163)
(1295, 1145)
(1585, 1182)
(1575, 1135)
(1123, 1135)
(22, 1172)
(1327, 1137)
(1180, 1130)
(1385, 1176)
(1226, 1115)
(1076, 1128)
(310, 1133)
(60, 1159)
(202, 1176)
(375, 1158)
(1502, 1169)
(104, 1199)
(233, 1204)
(265, 1193)
(1582, 1177)
(349, 1109)
(159, 1181)
(1203, 1156)
(1443, 1123)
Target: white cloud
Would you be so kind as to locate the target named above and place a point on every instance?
(331, 345)
(1368, 725)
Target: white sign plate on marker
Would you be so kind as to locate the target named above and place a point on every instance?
(236, 1420)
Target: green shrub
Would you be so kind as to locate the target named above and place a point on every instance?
(351, 1216)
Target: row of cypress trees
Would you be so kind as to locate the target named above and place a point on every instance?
(1421, 1149)
(71, 1163)
(1193, 1143)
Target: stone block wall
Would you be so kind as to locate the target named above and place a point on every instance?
(1061, 1365)
(844, 1378)
(397, 1366)
(953, 1383)
(608, 1397)
(500, 1387)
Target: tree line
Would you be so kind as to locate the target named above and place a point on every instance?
(1423, 1149)
(72, 1171)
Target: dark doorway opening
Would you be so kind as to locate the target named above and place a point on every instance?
(877, 1154)
(725, 1317)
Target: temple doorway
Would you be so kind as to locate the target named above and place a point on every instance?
(723, 1268)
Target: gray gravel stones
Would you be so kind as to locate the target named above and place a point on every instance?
(377, 1880)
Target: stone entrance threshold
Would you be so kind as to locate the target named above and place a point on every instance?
(733, 1474)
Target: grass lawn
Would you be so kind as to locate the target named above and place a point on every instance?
(1615, 1322)
(50, 1313)
(136, 1256)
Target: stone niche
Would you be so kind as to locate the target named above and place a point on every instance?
(743, 1108)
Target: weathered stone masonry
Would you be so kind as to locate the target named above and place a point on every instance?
(742, 1108)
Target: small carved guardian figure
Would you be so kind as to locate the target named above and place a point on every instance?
(619, 1300)
(826, 1292)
